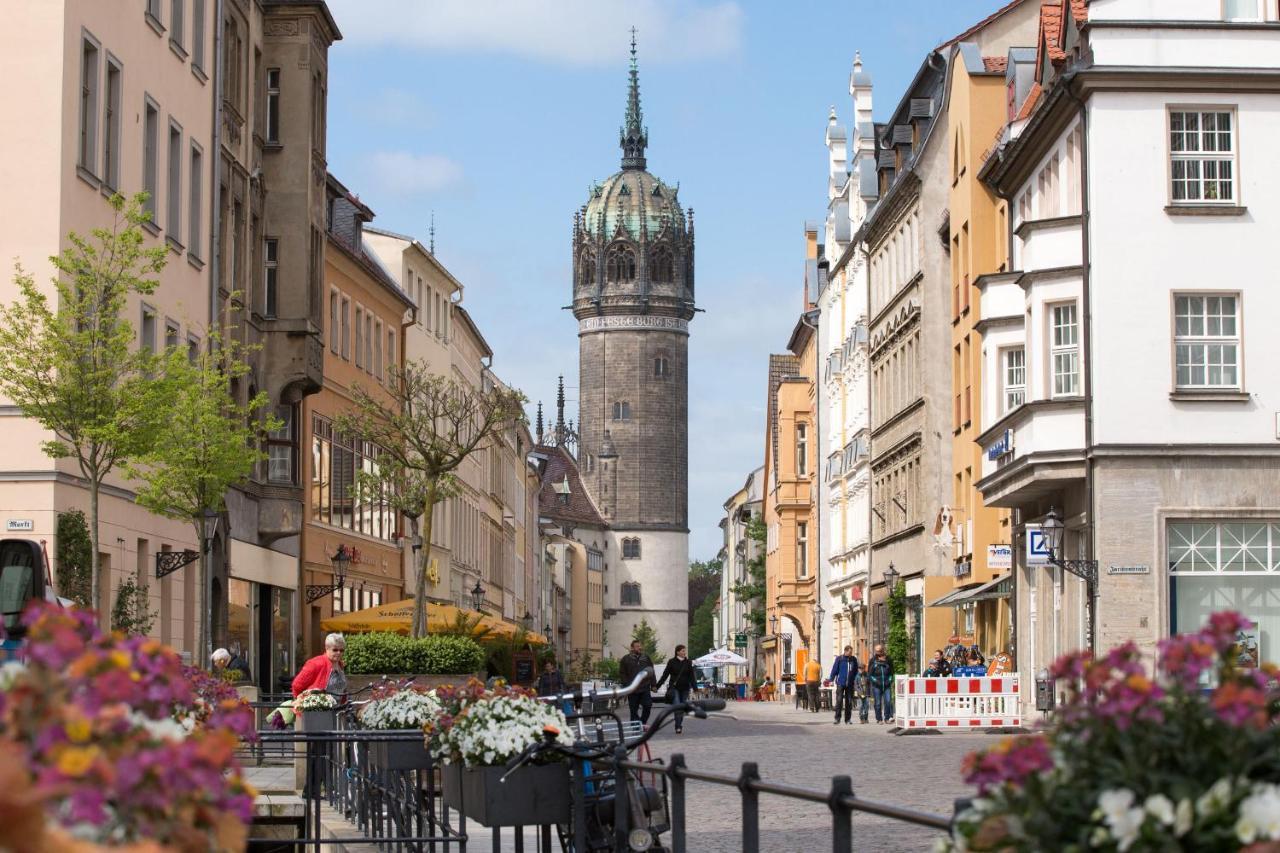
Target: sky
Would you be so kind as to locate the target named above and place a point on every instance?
(497, 116)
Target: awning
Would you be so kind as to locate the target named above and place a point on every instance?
(1001, 587)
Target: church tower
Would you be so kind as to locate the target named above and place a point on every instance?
(633, 298)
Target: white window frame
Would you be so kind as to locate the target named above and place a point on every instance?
(173, 181)
(1014, 394)
(271, 120)
(1063, 350)
(802, 449)
(112, 119)
(90, 97)
(195, 201)
(1202, 157)
(1184, 336)
(1258, 11)
(151, 155)
(802, 549)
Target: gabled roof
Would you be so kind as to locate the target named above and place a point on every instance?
(780, 366)
(976, 28)
(1050, 37)
(560, 478)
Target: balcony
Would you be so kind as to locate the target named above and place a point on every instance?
(1034, 450)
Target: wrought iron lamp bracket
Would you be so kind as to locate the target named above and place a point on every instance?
(318, 591)
(168, 562)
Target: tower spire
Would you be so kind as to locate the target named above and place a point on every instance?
(634, 136)
(433, 232)
(560, 426)
(540, 431)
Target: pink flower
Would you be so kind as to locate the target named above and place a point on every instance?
(1010, 762)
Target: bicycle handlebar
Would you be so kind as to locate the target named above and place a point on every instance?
(615, 693)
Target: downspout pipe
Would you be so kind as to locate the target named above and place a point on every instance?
(810, 319)
(215, 270)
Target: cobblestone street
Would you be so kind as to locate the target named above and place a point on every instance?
(800, 748)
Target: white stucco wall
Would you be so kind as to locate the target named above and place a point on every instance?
(662, 572)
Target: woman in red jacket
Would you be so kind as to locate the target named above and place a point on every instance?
(324, 671)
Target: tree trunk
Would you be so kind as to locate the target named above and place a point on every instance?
(95, 576)
(423, 560)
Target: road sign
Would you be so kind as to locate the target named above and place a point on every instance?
(1037, 546)
(740, 641)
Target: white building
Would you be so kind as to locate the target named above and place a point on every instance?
(1134, 386)
(739, 550)
(843, 362)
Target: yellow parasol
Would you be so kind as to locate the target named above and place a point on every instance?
(398, 617)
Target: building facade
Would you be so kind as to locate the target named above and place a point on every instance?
(633, 298)
(738, 555)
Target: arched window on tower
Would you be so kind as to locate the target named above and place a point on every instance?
(620, 264)
(587, 269)
(661, 267)
(631, 549)
(630, 595)
(661, 367)
(622, 411)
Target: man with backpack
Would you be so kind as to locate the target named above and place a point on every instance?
(880, 674)
(844, 674)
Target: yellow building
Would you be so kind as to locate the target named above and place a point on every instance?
(980, 535)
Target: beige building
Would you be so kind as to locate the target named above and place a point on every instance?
(113, 97)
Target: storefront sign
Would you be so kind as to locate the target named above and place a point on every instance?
(999, 556)
(739, 641)
(1128, 570)
(1003, 445)
(1037, 546)
(20, 525)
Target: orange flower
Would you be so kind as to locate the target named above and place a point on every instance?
(76, 761)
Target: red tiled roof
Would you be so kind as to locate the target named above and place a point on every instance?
(995, 63)
(1030, 103)
(1080, 10)
(580, 508)
(1051, 30)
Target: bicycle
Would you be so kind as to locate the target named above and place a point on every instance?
(601, 819)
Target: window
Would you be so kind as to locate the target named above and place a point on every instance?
(197, 35)
(620, 265)
(1202, 153)
(630, 595)
(802, 450)
(1206, 341)
(270, 269)
(333, 322)
(195, 198)
(177, 11)
(393, 357)
(170, 335)
(661, 368)
(1015, 378)
(150, 155)
(622, 411)
(662, 269)
(359, 336)
(1241, 10)
(273, 105)
(631, 549)
(174, 226)
(368, 341)
(802, 549)
(87, 157)
(1064, 352)
(111, 125)
(346, 328)
(153, 12)
(317, 114)
(148, 329)
(232, 50)
(282, 448)
(193, 349)
(377, 349)
(335, 497)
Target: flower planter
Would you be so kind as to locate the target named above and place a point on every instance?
(400, 755)
(319, 721)
(534, 795)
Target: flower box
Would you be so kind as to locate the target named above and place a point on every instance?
(400, 754)
(319, 721)
(532, 796)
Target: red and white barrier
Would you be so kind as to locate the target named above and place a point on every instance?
(957, 703)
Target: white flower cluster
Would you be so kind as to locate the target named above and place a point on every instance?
(1122, 819)
(495, 730)
(316, 700)
(166, 729)
(405, 709)
(10, 672)
(1259, 818)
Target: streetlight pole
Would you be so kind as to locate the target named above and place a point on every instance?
(817, 630)
(1086, 570)
(208, 531)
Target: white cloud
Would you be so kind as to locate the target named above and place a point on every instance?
(566, 32)
(400, 173)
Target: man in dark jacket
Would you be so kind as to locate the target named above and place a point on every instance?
(844, 673)
(551, 682)
(880, 674)
(680, 671)
(640, 703)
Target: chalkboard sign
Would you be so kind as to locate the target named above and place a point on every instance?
(524, 674)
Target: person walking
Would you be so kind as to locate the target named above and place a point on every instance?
(844, 674)
(551, 682)
(862, 690)
(324, 671)
(812, 681)
(680, 671)
(880, 672)
(639, 703)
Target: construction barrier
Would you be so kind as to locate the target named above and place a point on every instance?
(957, 703)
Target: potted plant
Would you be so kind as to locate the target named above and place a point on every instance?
(400, 710)
(480, 731)
(1185, 759)
(319, 711)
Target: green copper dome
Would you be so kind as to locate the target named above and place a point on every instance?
(635, 200)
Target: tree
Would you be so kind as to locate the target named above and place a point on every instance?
(206, 442)
(70, 363)
(702, 631)
(752, 592)
(72, 552)
(644, 634)
(704, 581)
(425, 427)
(897, 643)
(132, 613)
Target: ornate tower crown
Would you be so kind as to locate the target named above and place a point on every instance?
(634, 136)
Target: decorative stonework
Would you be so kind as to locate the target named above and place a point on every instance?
(281, 27)
(643, 321)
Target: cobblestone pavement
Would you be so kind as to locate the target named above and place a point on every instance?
(804, 749)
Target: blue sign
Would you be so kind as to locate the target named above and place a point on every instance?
(1037, 547)
(1003, 445)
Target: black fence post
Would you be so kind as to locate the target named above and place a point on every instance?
(621, 803)
(677, 802)
(750, 807)
(841, 814)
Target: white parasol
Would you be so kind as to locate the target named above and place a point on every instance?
(720, 657)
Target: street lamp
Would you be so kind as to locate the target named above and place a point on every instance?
(340, 560)
(208, 531)
(891, 578)
(817, 630)
(527, 620)
(1087, 570)
(477, 595)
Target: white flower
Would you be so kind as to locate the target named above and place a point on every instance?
(1160, 807)
(1214, 799)
(1124, 821)
(1184, 819)
(406, 709)
(10, 672)
(316, 700)
(166, 729)
(1260, 815)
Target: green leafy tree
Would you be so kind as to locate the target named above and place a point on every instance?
(72, 553)
(704, 582)
(702, 631)
(132, 613)
(751, 592)
(897, 644)
(426, 426)
(644, 634)
(69, 360)
(207, 442)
